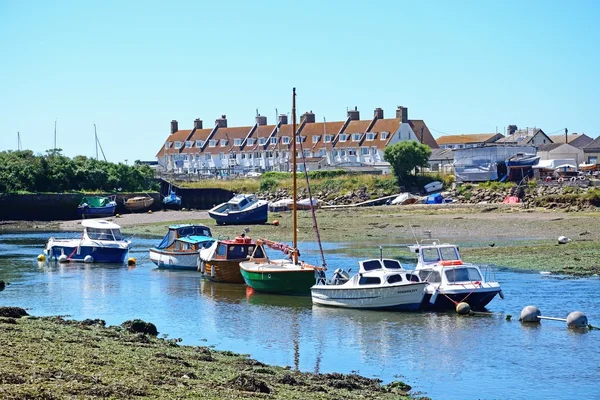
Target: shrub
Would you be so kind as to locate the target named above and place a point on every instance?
(267, 184)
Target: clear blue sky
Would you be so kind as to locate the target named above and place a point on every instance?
(132, 66)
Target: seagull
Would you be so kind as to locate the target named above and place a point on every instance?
(492, 245)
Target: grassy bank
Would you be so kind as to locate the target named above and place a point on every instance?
(53, 358)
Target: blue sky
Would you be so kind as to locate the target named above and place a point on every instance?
(132, 66)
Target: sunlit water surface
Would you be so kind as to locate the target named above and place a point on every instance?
(443, 356)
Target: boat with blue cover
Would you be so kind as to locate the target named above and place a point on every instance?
(101, 242)
(97, 206)
(241, 209)
(172, 201)
(180, 247)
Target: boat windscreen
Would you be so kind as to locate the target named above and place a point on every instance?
(463, 275)
(167, 240)
(430, 254)
(392, 264)
(371, 265)
(449, 253)
(194, 231)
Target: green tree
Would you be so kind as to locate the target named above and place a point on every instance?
(405, 157)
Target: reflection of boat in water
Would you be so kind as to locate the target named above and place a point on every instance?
(379, 284)
(180, 246)
(221, 261)
(273, 300)
(223, 292)
(101, 242)
(451, 281)
(241, 209)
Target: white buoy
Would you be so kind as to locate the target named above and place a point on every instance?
(531, 314)
(563, 240)
(63, 258)
(577, 319)
(88, 259)
(545, 273)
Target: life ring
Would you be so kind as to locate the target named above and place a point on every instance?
(582, 178)
(451, 262)
(561, 179)
(573, 179)
(269, 276)
(548, 179)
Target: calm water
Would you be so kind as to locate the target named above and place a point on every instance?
(443, 356)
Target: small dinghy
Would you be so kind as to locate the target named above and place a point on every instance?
(380, 284)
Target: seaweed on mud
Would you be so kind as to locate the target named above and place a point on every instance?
(248, 383)
(349, 382)
(12, 312)
(288, 379)
(140, 326)
(11, 379)
(8, 321)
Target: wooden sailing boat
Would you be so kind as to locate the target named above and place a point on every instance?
(286, 276)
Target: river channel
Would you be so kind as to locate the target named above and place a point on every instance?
(442, 355)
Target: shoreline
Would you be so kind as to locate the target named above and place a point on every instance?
(68, 358)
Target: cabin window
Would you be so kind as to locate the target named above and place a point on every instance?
(222, 250)
(392, 264)
(202, 231)
(394, 278)
(449, 253)
(463, 275)
(102, 234)
(371, 265)
(430, 276)
(243, 203)
(177, 245)
(369, 280)
(430, 255)
(237, 252)
(413, 278)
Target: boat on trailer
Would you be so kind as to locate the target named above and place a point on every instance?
(452, 281)
(180, 247)
(221, 261)
(380, 284)
(101, 242)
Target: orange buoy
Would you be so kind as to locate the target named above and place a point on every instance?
(276, 222)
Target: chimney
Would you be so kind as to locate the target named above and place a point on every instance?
(222, 122)
(354, 115)
(261, 120)
(174, 126)
(402, 114)
(378, 113)
(197, 123)
(511, 129)
(283, 119)
(308, 116)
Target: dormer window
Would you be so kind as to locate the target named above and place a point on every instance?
(370, 136)
(199, 143)
(300, 139)
(237, 142)
(343, 137)
(356, 137)
(178, 145)
(224, 142)
(212, 143)
(189, 144)
(168, 145)
(274, 140)
(285, 140)
(316, 138)
(327, 138)
(251, 141)
(384, 135)
(262, 141)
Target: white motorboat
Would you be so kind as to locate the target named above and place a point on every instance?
(101, 242)
(180, 246)
(451, 281)
(241, 209)
(379, 284)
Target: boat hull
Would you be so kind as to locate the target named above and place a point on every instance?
(96, 212)
(174, 260)
(226, 271)
(99, 254)
(297, 282)
(399, 297)
(254, 215)
(477, 300)
(172, 205)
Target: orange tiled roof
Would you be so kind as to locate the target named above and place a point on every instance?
(179, 136)
(359, 126)
(465, 138)
(428, 139)
(199, 134)
(230, 134)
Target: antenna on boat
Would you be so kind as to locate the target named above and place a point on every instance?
(413, 232)
(54, 135)
(381, 253)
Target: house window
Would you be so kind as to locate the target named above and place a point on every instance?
(307, 153)
(343, 137)
(262, 141)
(343, 153)
(364, 151)
(232, 156)
(335, 153)
(221, 156)
(224, 142)
(327, 138)
(257, 155)
(168, 145)
(270, 154)
(316, 138)
(207, 156)
(356, 137)
(592, 159)
(384, 135)
(189, 144)
(285, 140)
(237, 142)
(322, 153)
(243, 156)
(373, 150)
(212, 143)
(351, 152)
(199, 143)
(300, 139)
(370, 136)
(197, 157)
(251, 141)
(273, 140)
(178, 145)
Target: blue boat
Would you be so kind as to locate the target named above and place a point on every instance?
(241, 209)
(180, 247)
(101, 242)
(434, 199)
(97, 206)
(172, 200)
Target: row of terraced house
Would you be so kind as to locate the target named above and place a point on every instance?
(262, 147)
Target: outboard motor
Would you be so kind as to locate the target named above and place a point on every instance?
(340, 277)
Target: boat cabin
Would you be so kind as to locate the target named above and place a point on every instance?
(439, 263)
(240, 248)
(183, 237)
(241, 201)
(377, 271)
(101, 230)
(435, 253)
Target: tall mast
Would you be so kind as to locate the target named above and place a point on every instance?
(295, 243)
(54, 134)
(19, 141)
(96, 141)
